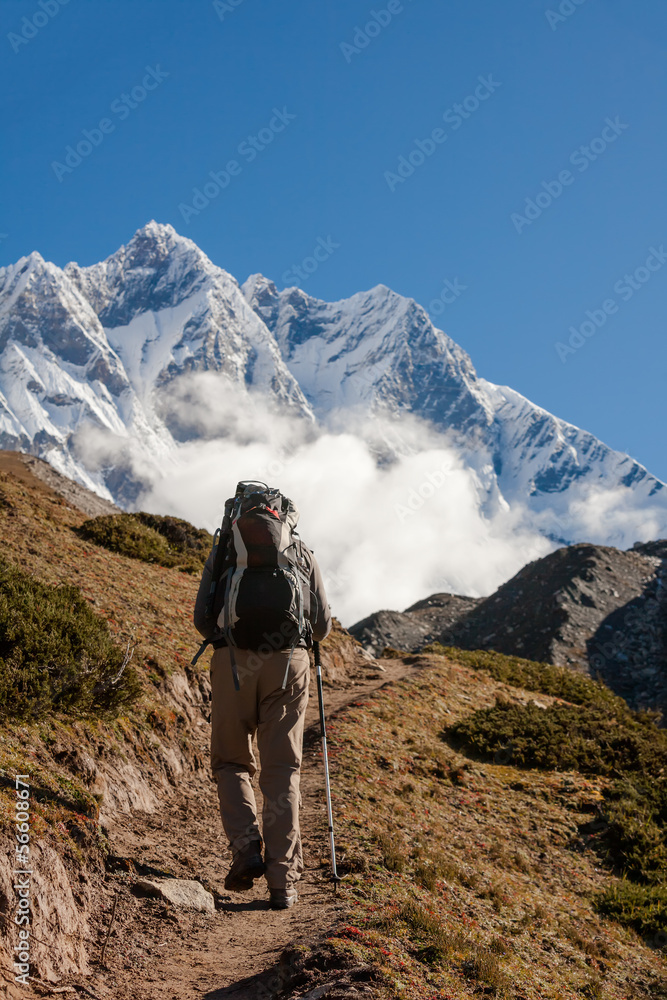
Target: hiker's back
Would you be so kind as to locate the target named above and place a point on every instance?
(266, 581)
(261, 601)
(261, 588)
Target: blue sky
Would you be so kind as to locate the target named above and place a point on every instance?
(338, 96)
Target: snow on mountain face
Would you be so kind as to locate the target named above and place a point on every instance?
(375, 348)
(381, 349)
(108, 371)
(168, 310)
(57, 371)
(98, 349)
(547, 456)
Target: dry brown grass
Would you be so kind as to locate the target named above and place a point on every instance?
(472, 878)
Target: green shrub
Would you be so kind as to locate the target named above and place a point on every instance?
(589, 739)
(167, 541)
(560, 682)
(630, 832)
(638, 906)
(55, 652)
(181, 535)
(634, 829)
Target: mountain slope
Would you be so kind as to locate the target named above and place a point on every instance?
(88, 357)
(110, 795)
(110, 371)
(380, 352)
(57, 370)
(410, 630)
(593, 608)
(168, 310)
(461, 877)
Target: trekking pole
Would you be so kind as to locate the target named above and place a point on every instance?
(335, 878)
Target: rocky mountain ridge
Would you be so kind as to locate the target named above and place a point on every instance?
(593, 608)
(97, 366)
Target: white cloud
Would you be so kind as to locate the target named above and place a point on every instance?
(394, 510)
(618, 517)
(385, 535)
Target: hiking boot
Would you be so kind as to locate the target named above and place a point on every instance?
(246, 867)
(282, 899)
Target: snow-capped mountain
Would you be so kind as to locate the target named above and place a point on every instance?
(94, 361)
(381, 350)
(92, 352)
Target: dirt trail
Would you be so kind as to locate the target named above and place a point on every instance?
(153, 952)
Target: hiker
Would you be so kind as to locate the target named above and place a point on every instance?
(261, 603)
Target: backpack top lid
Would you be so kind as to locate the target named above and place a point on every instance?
(252, 494)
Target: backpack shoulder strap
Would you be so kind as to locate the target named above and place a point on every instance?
(221, 541)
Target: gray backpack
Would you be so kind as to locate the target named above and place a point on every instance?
(260, 588)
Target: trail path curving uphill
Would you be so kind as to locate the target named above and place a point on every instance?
(154, 952)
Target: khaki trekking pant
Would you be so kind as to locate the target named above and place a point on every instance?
(276, 716)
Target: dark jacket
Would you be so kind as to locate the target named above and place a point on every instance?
(320, 612)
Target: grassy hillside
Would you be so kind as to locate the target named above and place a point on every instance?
(486, 808)
(94, 705)
(166, 541)
(471, 877)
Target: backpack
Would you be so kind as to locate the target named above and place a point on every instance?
(260, 588)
